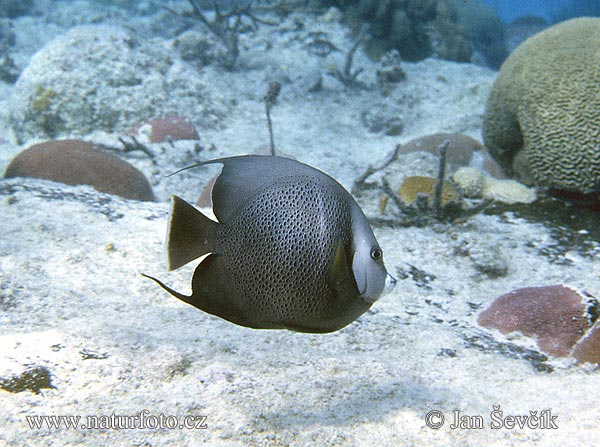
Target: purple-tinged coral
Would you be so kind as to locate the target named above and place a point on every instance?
(166, 128)
(172, 127)
(554, 315)
(587, 350)
(462, 151)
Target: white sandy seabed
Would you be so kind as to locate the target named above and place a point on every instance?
(74, 302)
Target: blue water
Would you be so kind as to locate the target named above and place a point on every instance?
(551, 10)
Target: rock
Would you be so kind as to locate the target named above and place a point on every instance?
(34, 378)
(382, 117)
(470, 181)
(100, 77)
(476, 184)
(390, 72)
(198, 48)
(489, 260)
(507, 191)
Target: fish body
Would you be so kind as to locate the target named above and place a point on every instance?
(292, 249)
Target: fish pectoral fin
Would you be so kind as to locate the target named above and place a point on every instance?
(191, 234)
(339, 273)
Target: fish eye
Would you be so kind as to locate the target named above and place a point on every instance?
(376, 253)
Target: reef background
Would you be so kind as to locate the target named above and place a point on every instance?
(73, 302)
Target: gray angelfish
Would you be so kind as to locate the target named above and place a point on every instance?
(292, 249)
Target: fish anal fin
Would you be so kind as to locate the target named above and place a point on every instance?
(213, 292)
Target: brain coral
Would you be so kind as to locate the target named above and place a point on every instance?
(100, 77)
(542, 119)
(76, 162)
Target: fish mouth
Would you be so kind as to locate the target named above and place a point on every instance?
(390, 282)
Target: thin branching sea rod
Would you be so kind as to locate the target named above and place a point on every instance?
(228, 25)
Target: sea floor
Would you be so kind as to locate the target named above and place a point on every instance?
(103, 343)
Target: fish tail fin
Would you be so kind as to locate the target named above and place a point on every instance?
(190, 235)
(181, 296)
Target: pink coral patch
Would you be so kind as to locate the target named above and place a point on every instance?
(554, 315)
(588, 348)
(165, 128)
(173, 127)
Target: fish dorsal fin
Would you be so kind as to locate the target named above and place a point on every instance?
(246, 176)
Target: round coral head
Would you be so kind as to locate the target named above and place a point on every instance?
(77, 162)
(554, 315)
